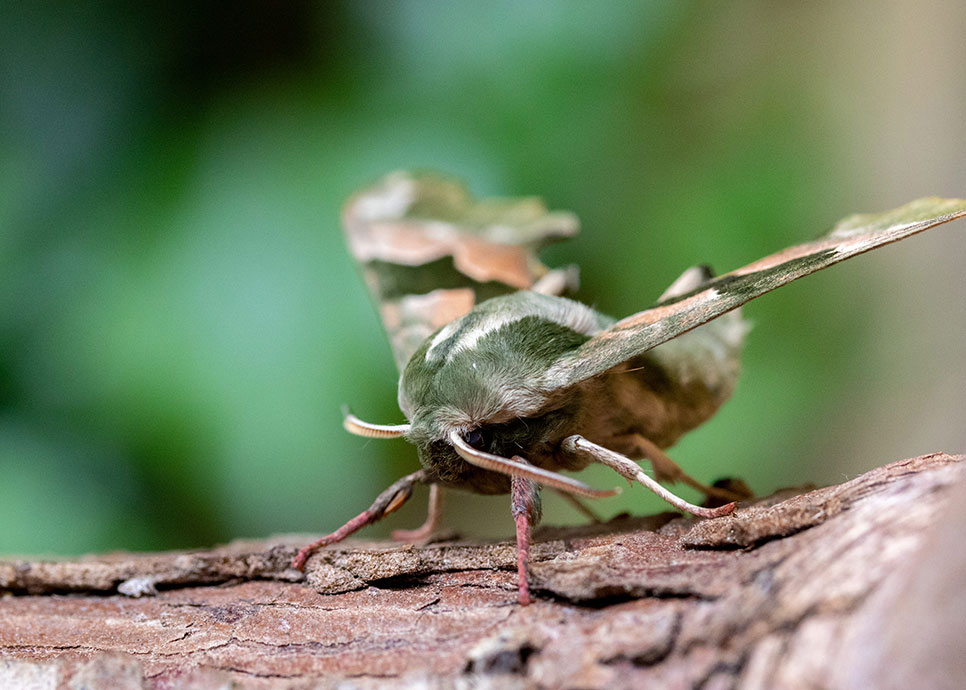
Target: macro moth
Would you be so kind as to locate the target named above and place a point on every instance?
(505, 382)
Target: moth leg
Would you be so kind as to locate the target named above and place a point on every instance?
(525, 505)
(580, 507)
(425, 531)
(388, 501)
(631, 471)
(666, 470)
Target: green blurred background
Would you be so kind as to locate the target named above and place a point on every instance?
(180, 323)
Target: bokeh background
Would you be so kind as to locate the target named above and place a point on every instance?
(180, 323)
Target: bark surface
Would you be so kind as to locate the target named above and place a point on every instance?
(859, 585)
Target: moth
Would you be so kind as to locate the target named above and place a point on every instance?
(506, 383)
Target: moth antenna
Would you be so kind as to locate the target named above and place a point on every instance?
(513, 468)
(356, 426)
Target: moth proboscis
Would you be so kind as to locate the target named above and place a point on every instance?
(505, 382)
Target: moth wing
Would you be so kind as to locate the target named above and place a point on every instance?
(429, 251)
(684, 310)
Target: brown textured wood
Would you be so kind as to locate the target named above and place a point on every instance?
(850, 586)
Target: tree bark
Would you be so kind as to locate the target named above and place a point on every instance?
(854, 586)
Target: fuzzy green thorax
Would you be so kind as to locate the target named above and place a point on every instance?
(485, 367)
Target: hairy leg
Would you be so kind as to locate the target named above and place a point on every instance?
(424, 532)
(388, 501)
(525, 502)
(631, 471)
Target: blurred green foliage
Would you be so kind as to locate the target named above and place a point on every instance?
(179, 320)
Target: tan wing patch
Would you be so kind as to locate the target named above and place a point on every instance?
(425, 237)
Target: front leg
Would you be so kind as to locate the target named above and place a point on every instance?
(631, 471)
(424, 532)
(388, 501)
(525, 505)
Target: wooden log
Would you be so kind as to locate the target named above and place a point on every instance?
(853, 586)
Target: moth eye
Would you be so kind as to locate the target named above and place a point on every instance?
(477, 439)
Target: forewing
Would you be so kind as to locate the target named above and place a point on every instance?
(647, 329)
(430, 252)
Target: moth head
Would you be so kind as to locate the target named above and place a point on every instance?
(474, 394)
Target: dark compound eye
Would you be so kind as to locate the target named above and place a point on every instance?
(477, 438)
